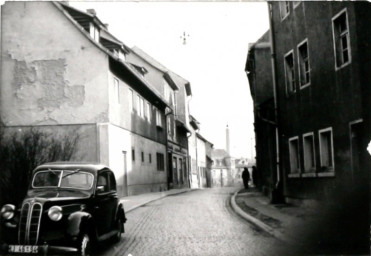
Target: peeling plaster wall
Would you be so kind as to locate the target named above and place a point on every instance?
(52, 74)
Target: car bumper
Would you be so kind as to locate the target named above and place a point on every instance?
(37, 250)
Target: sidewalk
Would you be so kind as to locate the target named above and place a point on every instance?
(283, 221)
(133, 202)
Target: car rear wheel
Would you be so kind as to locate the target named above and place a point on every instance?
(85, 245)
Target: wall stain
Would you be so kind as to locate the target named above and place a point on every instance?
(49, 87)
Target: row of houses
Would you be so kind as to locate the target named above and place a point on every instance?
(310, 82)
(63, 72)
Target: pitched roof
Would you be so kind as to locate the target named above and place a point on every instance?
(177, 79)
(219, 153)
(202, 138)
(75, 19)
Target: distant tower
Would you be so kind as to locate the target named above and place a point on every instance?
(227, 143)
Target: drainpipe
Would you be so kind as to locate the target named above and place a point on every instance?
(188, 164)
(167, 148)
(274, 85)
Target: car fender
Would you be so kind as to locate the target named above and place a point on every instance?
(120, 213)
(77, 222)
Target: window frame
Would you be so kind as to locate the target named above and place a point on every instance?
(133, 154)
(116, 88)
(330, 169)
(286, 4)
(148, 111)
(300, 60)
(131, 100)
(291, 52)
(311, 172)
(158, 118)
(292, 173)
(347, 32)
(160, 161)
(295, 4)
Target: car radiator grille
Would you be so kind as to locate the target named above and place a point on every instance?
(29, 224)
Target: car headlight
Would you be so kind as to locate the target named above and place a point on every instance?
(7, 211)
(55, 213)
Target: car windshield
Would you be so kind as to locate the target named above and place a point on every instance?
(63, 179)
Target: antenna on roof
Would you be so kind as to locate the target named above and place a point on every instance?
(184, 37)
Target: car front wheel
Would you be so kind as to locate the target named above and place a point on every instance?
(119, 230)
(85, 245)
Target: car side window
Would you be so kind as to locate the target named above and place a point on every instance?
(102, 181)
(112, 182)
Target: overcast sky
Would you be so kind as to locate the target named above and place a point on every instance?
(212, 60)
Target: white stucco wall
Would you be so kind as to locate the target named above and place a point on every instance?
(142, 177)
(54, 74)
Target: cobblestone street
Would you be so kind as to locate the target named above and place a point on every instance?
(200, 222)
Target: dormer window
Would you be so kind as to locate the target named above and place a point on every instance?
(122, 55)
(94, 32)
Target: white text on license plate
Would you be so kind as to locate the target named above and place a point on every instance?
(23, 248)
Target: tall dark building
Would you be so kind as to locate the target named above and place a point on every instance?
(315, 74)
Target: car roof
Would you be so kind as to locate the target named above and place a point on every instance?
(86, 166)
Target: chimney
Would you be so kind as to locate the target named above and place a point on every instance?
(91, 11)
(227, 143)
(106, 25)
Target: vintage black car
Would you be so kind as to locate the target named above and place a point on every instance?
(68, 208)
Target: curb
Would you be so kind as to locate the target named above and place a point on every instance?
(257, 222)
(155, 199)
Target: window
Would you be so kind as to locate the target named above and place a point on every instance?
(158, 118)
(309, 154)
(150, 158)
(294, 155)
(112, 182)
(296, 3)
(141, 107)
(94, 32)
(116, 87)
(341, 39)
(148, 111)
(326, 150)
(131, 100)
(138, 104)
(304, 69)
(160, 162)
(284, 9)
(142, 155)
(289, 72)
(133, 154)
(169, 130)
(102, 181)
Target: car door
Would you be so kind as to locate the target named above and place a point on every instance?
(105, 203)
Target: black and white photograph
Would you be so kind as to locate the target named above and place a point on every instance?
(185, 128)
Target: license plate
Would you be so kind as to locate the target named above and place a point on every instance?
(23, 249)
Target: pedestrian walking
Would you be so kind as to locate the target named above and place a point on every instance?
(246, 177)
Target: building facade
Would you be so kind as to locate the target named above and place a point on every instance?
(169, 85)
(65, 73)
(259, 72)
(320, 82)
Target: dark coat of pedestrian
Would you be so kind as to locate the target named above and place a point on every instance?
(246, 177)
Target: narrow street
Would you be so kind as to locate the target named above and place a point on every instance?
(200, 222)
